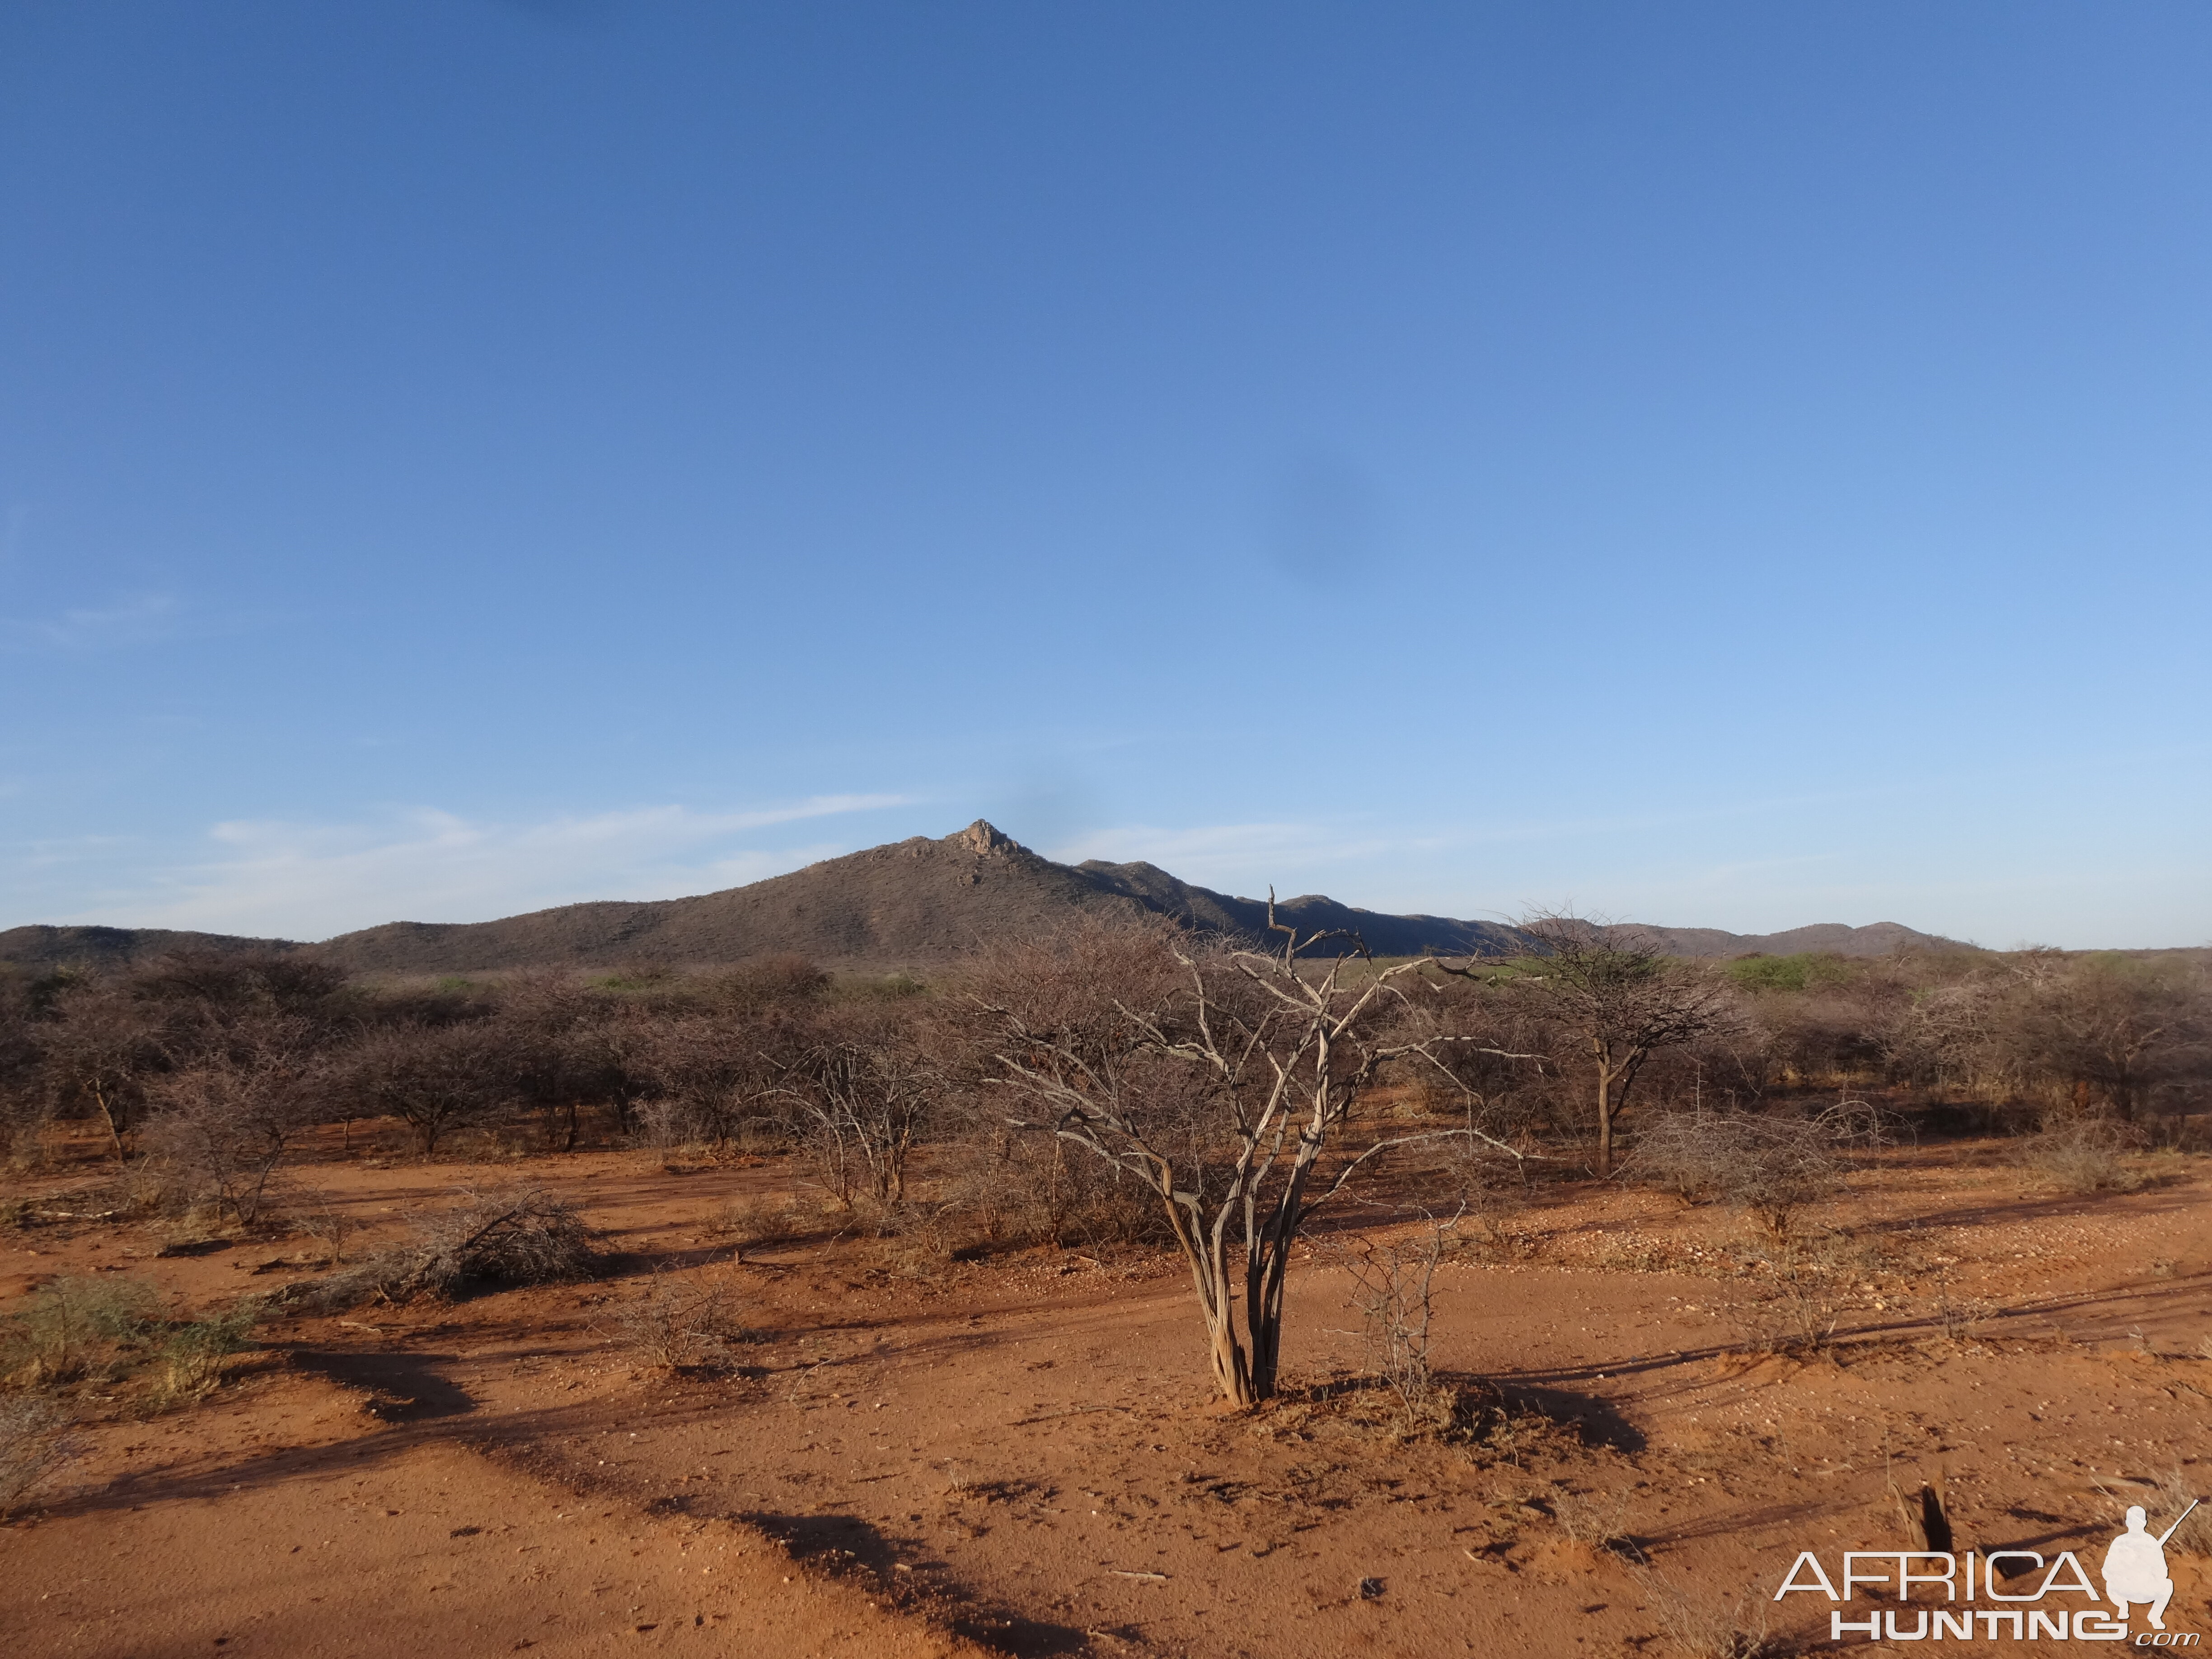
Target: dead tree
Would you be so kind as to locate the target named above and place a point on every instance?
(1226, 1098)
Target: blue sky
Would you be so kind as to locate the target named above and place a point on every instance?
(1729, 466)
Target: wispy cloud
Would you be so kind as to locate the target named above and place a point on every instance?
(134, 619)
(309, 881)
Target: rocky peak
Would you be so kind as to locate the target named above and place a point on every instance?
(983, 837)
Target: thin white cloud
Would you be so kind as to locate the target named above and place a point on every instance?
(310, 881)
(137, 619)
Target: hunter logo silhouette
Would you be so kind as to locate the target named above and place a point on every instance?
(2012, 1593)
(2135, 1566)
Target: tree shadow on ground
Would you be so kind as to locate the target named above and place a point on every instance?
(1593, 1419)
(900, 1570)
(410, 1381)
(1506, 1416)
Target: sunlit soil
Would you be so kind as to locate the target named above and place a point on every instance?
(889, 1450)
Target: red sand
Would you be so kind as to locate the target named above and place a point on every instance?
(1025, 1451)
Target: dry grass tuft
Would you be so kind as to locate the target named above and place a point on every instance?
(1697, 1624)
(34, 1442)
(2169, 1497)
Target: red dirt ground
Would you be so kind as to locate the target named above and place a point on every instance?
(911, 1455)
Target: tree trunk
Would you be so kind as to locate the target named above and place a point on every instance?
(1604, 1123)
(1232, 1371)
(114, 1122)
(1264, 1314)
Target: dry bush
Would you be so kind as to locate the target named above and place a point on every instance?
(104, 1330)
(1799, 1318)
(2082, 1155)
(2104, 1028)
(1018, 1189)
(1699, 1625)
(2061, 1032)
(2172, 1494)
(327, 1223)
(224, 1124)
(767, 982)
(100, 1053)
(1217, 1077)
(1393, 1287)
(1822, 1019)
(34, 1442)
(916, 1243)
(523, 1235)
(758, 1222)
(712, 1080)
(570, 1046)
(1596, 1517)
(676, 1324)
(860, 1098)
(24, 1106)
(1773, 1165)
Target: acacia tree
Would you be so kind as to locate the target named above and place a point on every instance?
(101, 1051)
(2109, 1028)
(230, 1119)
(1223, 1081)
(434, 1078)
(22, 1110)
(1621, 1002)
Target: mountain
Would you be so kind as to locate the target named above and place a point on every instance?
(914, 900)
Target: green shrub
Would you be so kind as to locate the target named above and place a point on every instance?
(193, 1354)
(1796, 973)
(75, 1325)
(77, 1329)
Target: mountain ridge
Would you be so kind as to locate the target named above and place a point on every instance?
(911, 902)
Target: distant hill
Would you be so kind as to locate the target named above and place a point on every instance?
(912, 902)
(1876, 939)
(42, 948)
